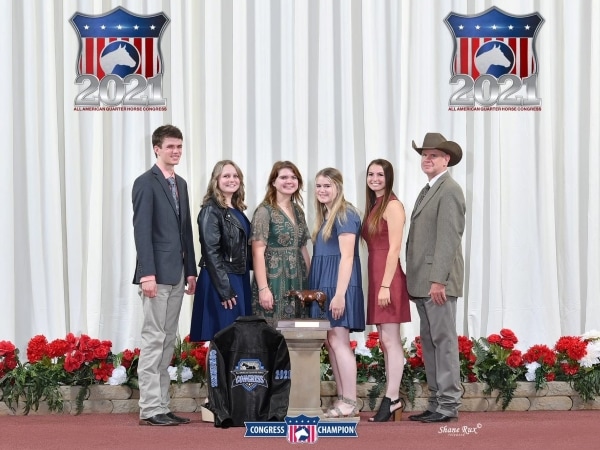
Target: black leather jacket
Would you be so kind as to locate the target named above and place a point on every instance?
(224, 245)
(248, 373)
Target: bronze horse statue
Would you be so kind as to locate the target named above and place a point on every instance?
(307, 296)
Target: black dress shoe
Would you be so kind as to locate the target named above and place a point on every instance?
(159, 420)
(177, 419)
(437, 417)
(418, 417)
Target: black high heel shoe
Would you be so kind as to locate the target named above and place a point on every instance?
(385, 410)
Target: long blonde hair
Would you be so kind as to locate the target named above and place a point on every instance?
(371, 198)
(213, 191)
(339, 207)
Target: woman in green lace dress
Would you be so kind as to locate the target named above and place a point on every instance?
(279, 236)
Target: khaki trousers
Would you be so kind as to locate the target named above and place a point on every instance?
(159, 331)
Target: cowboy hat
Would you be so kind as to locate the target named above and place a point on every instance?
(439, 142)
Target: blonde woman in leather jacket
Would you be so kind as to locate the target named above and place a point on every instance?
(223, 290)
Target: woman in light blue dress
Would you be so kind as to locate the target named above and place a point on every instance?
(335, 269)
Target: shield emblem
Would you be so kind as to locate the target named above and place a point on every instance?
(119, 43)
(494, 43)
(302, 429)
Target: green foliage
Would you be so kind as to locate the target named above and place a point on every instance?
(492, 368)
(32, 383)
(375, 392)
(586, 383)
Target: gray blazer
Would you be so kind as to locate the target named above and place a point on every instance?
(433, 248)
(164, 241)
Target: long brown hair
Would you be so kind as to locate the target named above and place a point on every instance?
(371, 197)
(213, 191)
(271, 195)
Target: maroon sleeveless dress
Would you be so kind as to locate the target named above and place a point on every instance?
(378, 244)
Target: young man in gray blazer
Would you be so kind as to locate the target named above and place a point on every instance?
(165, 264)
(435, 272)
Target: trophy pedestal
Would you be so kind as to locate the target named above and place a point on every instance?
(304, 338)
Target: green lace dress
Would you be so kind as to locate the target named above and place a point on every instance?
(285, 266)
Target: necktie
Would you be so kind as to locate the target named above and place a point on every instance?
(422, 195)
(173, 186)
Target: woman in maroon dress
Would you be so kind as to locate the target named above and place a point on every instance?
(388, 303)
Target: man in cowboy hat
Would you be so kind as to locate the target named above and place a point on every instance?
(434, 274)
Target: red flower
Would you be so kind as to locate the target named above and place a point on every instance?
(569, 369)
(507, 343)
(8, 357)
(101, 352)
(103, 371)
(371, 343)
(508, 334)
(550, 376)
(573, 346)
(465, 345)
(92, 346)
(37, 348)
(415, 362)
(373, 335)
(541, 354)
(494, 339)
(73, 361)
(419, 348)
(199, 354)
(58, 348)
(472, 378)
(72, 340)
(514, 359)
(6, 348)
(353, 344)
(128, 357)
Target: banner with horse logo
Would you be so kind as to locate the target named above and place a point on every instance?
(119, 43)
(494, 43)
(494, 63)
(119, 65)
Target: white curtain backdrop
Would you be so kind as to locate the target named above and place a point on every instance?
(322, 83)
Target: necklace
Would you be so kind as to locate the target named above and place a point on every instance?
(288, 210)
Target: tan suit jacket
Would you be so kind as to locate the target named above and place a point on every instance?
(433, 248)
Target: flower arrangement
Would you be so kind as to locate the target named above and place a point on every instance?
(414, 369)
(578, 358)
(189, 361)
(493, 360)
(8, 357)
(370, 359)
(467, 359)
(540, 362)
(125, 369)
(499, 364)
(370, 367)
(82, 361)
(73, 361)
(370, 362)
